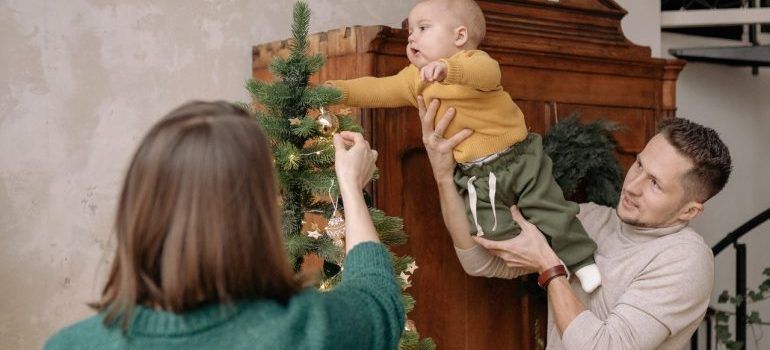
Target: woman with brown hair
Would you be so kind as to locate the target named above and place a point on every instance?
(200, 262)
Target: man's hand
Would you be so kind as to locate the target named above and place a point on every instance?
(529, 250)
(438, 148)
(434, 71)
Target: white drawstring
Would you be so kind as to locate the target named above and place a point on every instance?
(473, 198)
(492, 190)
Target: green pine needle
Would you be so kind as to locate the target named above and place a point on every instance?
(582, 156)
(307, 128)
(299, 29)
(347, 123)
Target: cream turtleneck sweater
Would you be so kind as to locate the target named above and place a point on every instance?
(655, 288)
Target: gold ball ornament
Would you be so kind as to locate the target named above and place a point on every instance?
(328, 123)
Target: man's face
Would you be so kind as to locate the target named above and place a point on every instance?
(653, 194)
(431, 34)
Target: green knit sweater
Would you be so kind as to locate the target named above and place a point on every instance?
(364, 311)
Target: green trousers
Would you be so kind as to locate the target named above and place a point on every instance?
(522, 176)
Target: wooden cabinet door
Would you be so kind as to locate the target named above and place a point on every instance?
(456, 310)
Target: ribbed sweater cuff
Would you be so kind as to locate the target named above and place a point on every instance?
(454, 72)
(368, 257)
(581, 330)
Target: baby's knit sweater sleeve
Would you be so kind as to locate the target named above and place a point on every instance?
(387, 92)
(473, 68)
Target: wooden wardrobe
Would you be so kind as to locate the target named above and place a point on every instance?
(557, 57)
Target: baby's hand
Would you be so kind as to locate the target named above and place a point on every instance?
(434, 71)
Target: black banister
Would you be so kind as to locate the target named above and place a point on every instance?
(740, 231)
(740, 290)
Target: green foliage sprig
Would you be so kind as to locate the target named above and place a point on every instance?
(582, 156)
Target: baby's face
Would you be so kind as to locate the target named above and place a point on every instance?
(431, 34)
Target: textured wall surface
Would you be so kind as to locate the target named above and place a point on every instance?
(80, 82)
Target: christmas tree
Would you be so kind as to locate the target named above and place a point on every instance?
(293, 115)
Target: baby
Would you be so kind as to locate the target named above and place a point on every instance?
(500, 164)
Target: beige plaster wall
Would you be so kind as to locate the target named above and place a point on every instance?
(80, 83)
(82, 80)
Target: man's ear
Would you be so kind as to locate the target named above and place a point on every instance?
(690, 211)
(461, 36)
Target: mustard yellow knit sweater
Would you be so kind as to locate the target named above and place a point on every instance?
(472, 87)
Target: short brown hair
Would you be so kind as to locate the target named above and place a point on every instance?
(197, 219)
(710, 157)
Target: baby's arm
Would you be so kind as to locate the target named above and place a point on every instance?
(386, 92)
(473, 68)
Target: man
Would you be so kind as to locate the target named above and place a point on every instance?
(657, 272)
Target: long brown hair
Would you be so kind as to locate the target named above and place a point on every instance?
(197, 221)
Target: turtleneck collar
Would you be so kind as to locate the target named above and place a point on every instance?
(644, 234)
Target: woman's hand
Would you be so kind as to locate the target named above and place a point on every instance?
(354, 165)
(439, 149)
(529, 250)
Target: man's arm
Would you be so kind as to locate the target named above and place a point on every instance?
(386, 92)
(473, 68)
(653, 307)
(476, 261)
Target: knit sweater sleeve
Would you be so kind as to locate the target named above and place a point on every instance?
(394, 91)
(365, 311)
(473, 68)
(477, 261)
(655, 306)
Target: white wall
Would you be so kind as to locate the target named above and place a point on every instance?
(80, 82)
(642, 23)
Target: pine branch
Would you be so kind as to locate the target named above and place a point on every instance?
(299, 30)
(274, 128)
(326, 249)
(582, 156)
(306, 128)
(348, 124)
(317, 182)
(297, 246)
(287, 156)
(321, 96)
(389, 228)
(319, 154)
